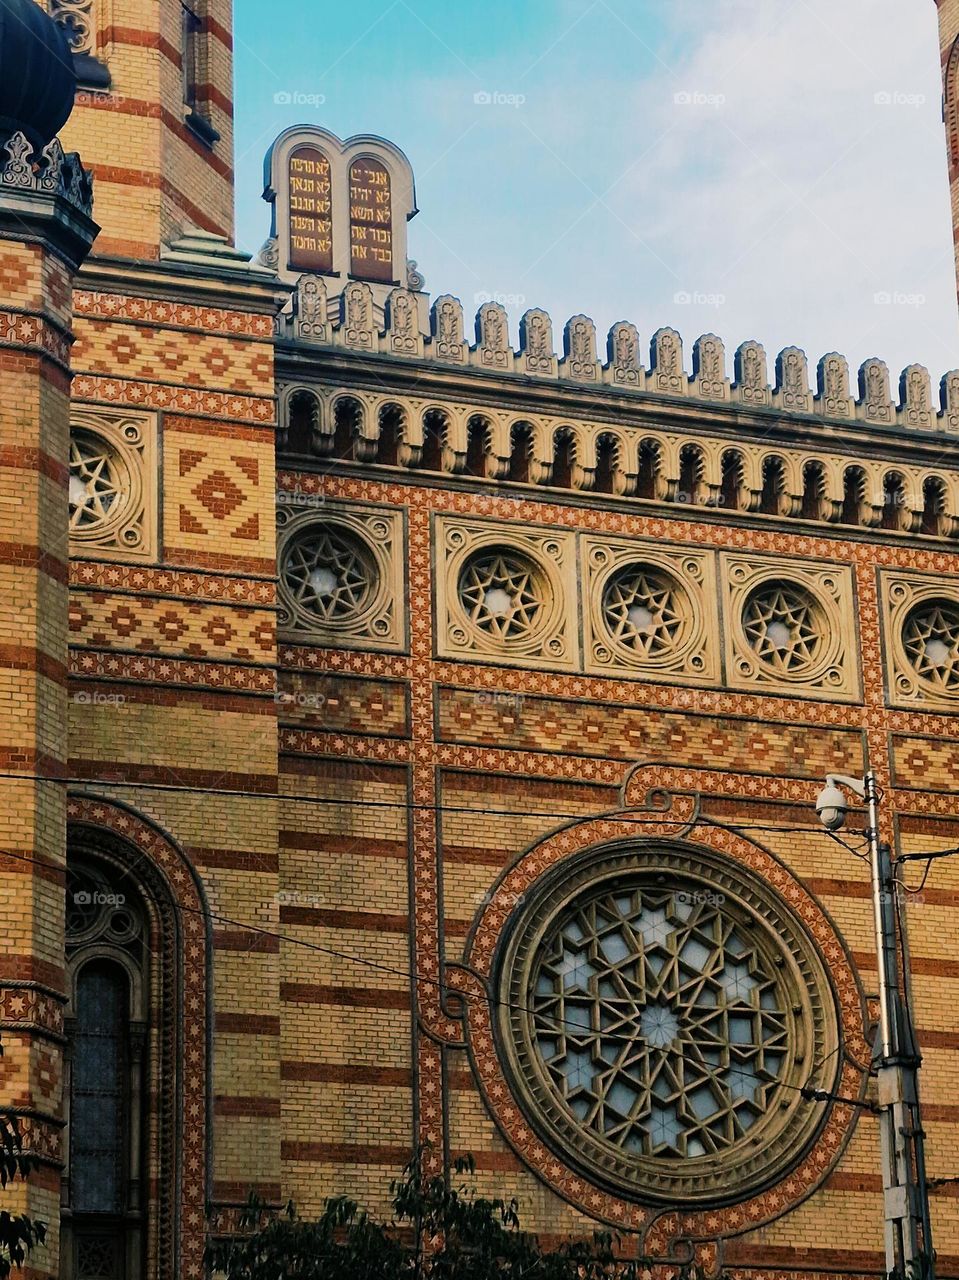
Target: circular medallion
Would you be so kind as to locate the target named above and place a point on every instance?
(502, 593)
(930, 638)
(329, 575)
(659, 1010)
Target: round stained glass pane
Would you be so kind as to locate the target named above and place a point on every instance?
(502, 594)
(931, 641)
(784, 627)
(646, 611)
(95, 485)
(664, 1017)
(329, 575)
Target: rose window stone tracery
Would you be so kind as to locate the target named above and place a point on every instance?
(502, 594)
(659, 1024)
(659, 1015)
(329, 575)
(645, 610)
(784, 627)
(95, 485)
(931, 642)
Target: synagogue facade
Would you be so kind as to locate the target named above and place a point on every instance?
(413, 728)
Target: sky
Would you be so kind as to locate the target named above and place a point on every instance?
(768, 169)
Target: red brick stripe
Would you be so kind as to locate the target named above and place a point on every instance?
(247, 1024)
(347, 1073)
(337, 919)
(224, 1105)
(26, 458)
(346, 997)
(166, 775)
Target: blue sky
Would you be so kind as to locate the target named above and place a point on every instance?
(770, 169)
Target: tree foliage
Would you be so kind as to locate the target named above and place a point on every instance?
(437, 1231)
(18, 1232)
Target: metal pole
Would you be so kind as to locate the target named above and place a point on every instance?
(908, 1237)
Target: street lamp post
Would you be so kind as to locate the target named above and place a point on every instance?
(908, 1233)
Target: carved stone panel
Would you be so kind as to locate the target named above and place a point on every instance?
(113, 483)
(505, 594)
(790, 626)
(649, 611)
(340, 571)
(920, 618)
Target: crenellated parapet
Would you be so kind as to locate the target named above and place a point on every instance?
(350, 322)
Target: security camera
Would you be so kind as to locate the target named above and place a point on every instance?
(831, 806)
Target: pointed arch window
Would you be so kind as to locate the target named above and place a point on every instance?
(107, 1016)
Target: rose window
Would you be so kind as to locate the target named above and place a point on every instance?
(644, 610)
(659, 1025)
(502, 594)
(931, 641)
(95, 490)
(784, 627)
(329, 575)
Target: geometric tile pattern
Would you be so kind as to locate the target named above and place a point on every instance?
(103, 620)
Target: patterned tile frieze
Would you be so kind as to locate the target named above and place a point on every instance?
(171, 396)
(329, 703)
(143, 669)
(534, 724)
(33, 332)
(142, 352)
(166, 627)
(174, 583)
(167, 314)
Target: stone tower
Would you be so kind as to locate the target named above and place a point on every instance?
(154, 116)
(45, 232)
(949, 51)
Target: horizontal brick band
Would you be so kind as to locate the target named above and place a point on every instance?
(247, 1024)
(347, 997)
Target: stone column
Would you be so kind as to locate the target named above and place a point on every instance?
(45, 232)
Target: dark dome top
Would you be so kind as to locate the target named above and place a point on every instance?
(37, 79)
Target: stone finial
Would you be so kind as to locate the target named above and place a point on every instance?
(666, 372)
(623, 367)
(579, 350)
(536, 354)
(446, 327)
(792, 381)
(915, 398)
(492, 337)
(403, 337)
(875, 396)
(709, 368)
(832, 380)
(53, 173)
(310, 320)
(949, 399)
(752, 379)
(356, 317)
